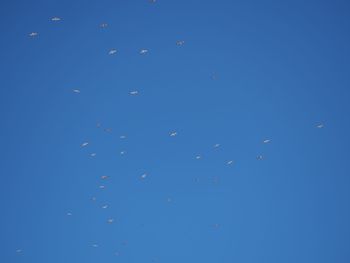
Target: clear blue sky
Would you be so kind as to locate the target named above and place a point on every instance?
(281, 68)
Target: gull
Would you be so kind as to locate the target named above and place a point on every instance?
(84, 144)
(33, 34)
(104, 177)
(122, 137)
(320, 126)
(103, 25)
(94, 245)
(76, 91)
(134, 92)
(112, 51)
(198, 157)
(143, 51)
(110, 220)
(93, 154)
(69, 214)
(102, 187)
(55, 19)
(143, 176)
(93, 198)
(104, 206)
(266, 141)
(172, 134)
(230, 162)
(180, 42)
(122, 152)
(18, 250)
(216, 145)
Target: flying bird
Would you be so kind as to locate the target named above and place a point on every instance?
(55, 19)
(76, 91)
(180, 42)
(266, 141)
(216, 145)
(110, 220)
(33, 34)
(112, 51)
(230, 162)
(104, 177)
(143, 51)
(135, 92)
(143, 176)
(84, 144)
(198, 157)
(103, 25)
(320, 126)
(172, 134)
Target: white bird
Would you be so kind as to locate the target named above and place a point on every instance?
(216, 145)
(93, 198)
(320, 126)
(112, 51)
(143, 176)
(55, 19)
(230, 162)
(172, 134)
(76, 91)
(180, 42)
(104, 206)
(103, 25)
(143, 51)
(134, 92)
(122, 152)
(104, 177)
(19, 251)
(122, 137)
(94, 245)
(102, 187)
(266, 141)
(69, 214)
(198, 157)
(33, 34)
(84, 144)
(110, 220)
(93, 154)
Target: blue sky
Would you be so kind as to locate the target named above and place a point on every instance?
(248, 71)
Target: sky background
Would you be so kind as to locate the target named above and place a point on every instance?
(248, 71)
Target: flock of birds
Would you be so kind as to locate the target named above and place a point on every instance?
(171, 133)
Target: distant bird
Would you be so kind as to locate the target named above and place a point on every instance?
(102, 187)
(69, 214)
(93, 154)
(33, 34)
(216, 145)
(198, 157)
(144, 176)
(122, 152)
(180, 42)
(172, 134)
(104, 177)
(98, 125)
(18, 250)
(94, 245)
(108, 130)
(110, 220)
(84, 144)
(112, 51)
(266, 141)
(259, 157)
(55, 19)
(320, 126)
(76, 91)
(230, 162)
(135, 92)
(143, 51)
(93, 198)
(103, 25)
(122, 137)
(104, 206)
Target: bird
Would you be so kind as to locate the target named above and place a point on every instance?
(76, 91)
(69, 214)
(122, 137)
(94, 245)
(102, 187)
(104, 177)
(122, 152)
(110, 220)
(55, 19)
(266, 141)
(198, 157)
(103, 25)
(19, 250)
(173, 133)
(180, 42)
(104, 206)
(229, 162)
(259, 157)
(143, 51)
(112, 51)
(143, 176)
(84, 144)
(320, 126)
(33, 34)
(134, 92)
(93, 154)
(216, 145)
